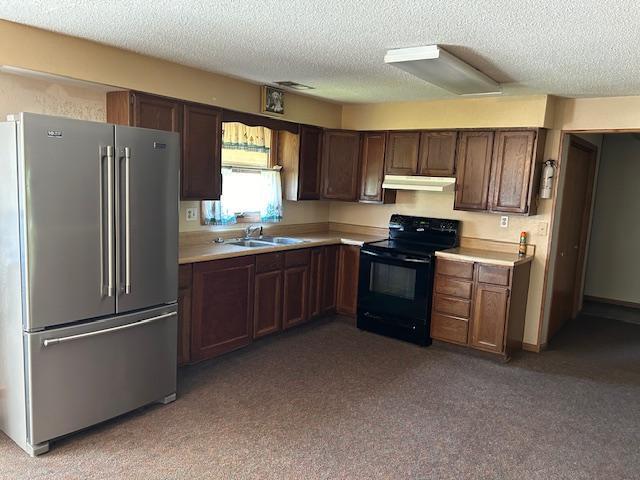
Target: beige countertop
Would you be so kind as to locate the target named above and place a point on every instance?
(484, 256)
(216, 251)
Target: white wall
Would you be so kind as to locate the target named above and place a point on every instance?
(613, 264)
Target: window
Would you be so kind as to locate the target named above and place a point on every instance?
(251, 185)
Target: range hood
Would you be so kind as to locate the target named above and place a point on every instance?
(414, 182)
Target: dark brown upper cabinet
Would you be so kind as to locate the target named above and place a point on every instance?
(437, 157)
(299, 155)
(340, 164)
(200, 129)
(473, 170)
(401, 156)
(517, 159)
(201, 153)
(372, 169)
(143, 110)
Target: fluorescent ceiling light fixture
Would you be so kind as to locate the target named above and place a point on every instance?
(437, 66)
(294, 85)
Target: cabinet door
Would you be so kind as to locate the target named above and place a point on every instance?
(267, 310)
(489, 317)
(296, 292)
(372, 169)
(513, 159)
(310, 161)
(340, 162)
(330, 279)
(316, 281)
(437, 154)
(222, 312)
(202, 143)
(348, 271)
(184, 314)
(474, 170)
(402, 153)
(158, 113)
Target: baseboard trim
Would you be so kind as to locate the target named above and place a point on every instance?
(530, 347)
(611, 301)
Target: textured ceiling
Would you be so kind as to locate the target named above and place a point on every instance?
(578, 48)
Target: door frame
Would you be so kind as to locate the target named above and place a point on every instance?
(587, 211)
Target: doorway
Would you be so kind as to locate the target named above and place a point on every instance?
(572, 235)
(596, 237)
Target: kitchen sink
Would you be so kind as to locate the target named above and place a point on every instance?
(252, 243)
(282, 240)
(265, 242)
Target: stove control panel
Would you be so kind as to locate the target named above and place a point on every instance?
(405, 223)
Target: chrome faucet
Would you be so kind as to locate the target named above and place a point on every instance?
(252, 228)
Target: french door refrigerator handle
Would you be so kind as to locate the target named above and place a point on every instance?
(54, 341)
(110, 211)
(127, 220)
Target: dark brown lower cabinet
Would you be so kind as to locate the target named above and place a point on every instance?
(480, 305)
(267, 305)
(222, 312)
(296, 288)
(348, 271)
(329, 279)
(184, 313)
(224, 304)
(489, 317)
(316, 281)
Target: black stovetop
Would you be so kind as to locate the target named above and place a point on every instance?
(418, 235)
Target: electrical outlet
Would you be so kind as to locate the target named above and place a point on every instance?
(542, 228)
(504, 221)
(192, 214)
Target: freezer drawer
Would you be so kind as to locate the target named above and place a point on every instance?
(82, 375)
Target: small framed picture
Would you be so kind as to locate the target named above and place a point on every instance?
(272, 101)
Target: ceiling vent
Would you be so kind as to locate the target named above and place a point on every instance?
(437, 66)
(294, 85)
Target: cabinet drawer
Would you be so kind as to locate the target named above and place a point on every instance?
(494, 275)
(268, 262)
(297, 258)
(453, 287)
(453, 268)
(452, 306)
(449, 329)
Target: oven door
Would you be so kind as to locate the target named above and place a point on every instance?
(395, 285)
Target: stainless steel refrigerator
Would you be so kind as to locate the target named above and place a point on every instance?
(88, 273)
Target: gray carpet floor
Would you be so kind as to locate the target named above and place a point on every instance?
(328, 401)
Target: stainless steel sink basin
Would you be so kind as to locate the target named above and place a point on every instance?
(265, 241)
(252, 243)
(282, 240)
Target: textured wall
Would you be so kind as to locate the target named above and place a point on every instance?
(22, 94)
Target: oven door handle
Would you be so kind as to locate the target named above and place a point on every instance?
(402, 258)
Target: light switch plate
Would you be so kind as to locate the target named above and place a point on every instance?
(542, 228)
(192, 214)
(504, 221)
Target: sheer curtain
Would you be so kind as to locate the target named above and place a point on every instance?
(245, 191)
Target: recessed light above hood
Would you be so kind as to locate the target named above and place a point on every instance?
(414, 182)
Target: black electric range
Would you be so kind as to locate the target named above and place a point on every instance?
(396, 277)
